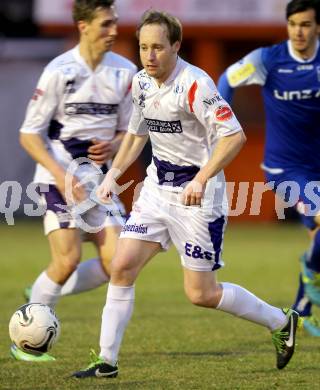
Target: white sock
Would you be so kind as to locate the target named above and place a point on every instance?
(44, 290)
(242, 303)
(115, 317)
(88, 275)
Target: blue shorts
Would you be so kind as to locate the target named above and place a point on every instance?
(300, 185)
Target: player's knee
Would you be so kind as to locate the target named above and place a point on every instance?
(201, 297)
(123, 271)
(66, 262)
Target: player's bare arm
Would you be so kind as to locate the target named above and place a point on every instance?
(35, 147)
(225, 151)
(129, 151)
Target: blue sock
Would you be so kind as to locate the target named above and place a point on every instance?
(313, 255)
(302, 304)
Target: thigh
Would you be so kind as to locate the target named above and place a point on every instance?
(57, 215)
(65, 246)
(130, 257)
(196, 280)
(198, 237)
(148, 221)
(202, 288)
(105, 242)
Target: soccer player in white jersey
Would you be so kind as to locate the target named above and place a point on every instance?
(80, 110)
(194, 135)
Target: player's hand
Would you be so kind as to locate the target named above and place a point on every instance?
(70, 188)
(193, 193)
(109, 186)
(101, 151)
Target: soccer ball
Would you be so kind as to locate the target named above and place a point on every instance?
(34, 328)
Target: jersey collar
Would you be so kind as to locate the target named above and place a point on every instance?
(298, 59)
(179, 65)
(81, 60)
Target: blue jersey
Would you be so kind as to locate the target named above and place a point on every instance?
(291, 92)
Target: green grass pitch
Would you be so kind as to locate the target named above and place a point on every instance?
(169, 344)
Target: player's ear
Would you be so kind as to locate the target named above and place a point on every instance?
(176, 46)
(82, 26)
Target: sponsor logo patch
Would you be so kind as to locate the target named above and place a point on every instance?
(37, 94)
(142, 99)
(90, 108)
(69, 88)
(213, 100)
(142, 229)
(223, 113)
(282, 70)
(305, 67)
(241, 74)
(296, 95)
(178, 89)
(158, 126)
(144, 85)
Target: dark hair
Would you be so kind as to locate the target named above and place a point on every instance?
(158, 17)
(295, 6)
(86, 9)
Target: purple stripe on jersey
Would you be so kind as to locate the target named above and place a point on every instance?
(54, 129)
(53, 200)
(174, 175)
(77, 147)
(216, 234)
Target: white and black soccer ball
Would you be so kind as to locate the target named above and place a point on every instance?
(34, 328)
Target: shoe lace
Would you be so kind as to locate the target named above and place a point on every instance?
(278, 338)
(94, 359)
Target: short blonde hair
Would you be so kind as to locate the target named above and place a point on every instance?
(159, 17)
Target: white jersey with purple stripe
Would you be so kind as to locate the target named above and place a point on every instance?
(73, 104)
(184, 119)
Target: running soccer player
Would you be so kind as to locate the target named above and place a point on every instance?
(80, 110)
(194, 135)
(289, 74)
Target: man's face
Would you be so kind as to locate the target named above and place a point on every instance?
(157, 55)
(100, 33)
(303, 31)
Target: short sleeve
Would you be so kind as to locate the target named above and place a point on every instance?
(212, 111)
(43, 104)
(249, 70)
(125, 109)
(137, 124)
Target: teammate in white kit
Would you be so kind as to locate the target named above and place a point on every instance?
(194, 135)
(80, 110)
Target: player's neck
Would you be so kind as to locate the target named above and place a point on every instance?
(91, 57)
(168, 73)
(306, 54)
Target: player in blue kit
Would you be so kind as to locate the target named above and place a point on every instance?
(289, 74)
